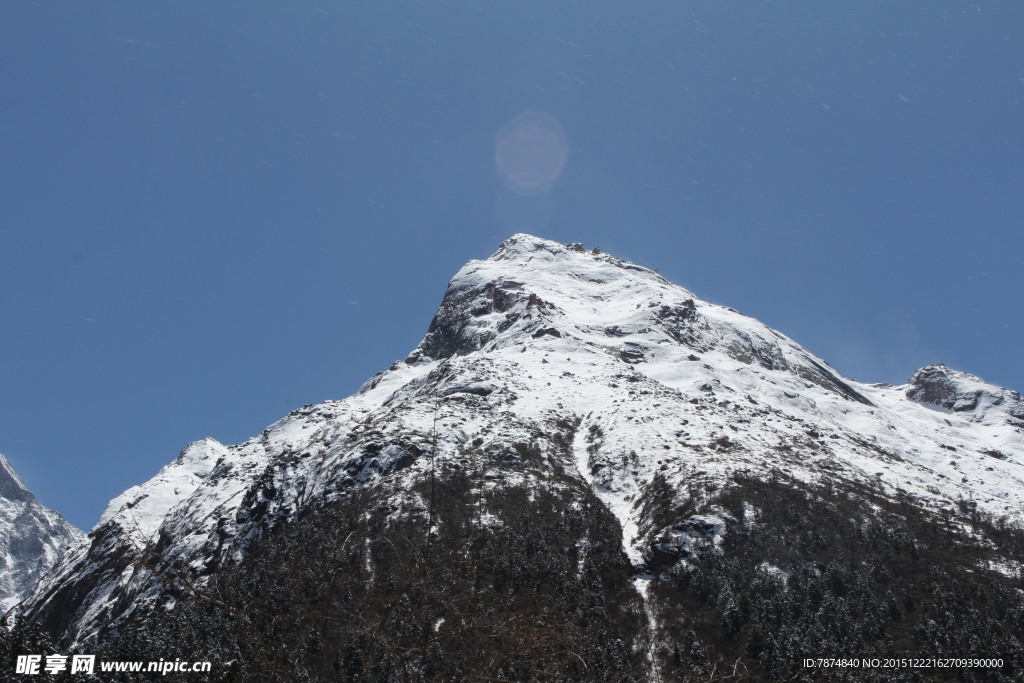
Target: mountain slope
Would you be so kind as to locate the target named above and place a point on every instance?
(553, 373)
(32, 537)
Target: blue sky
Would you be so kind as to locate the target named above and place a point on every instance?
(213, 213)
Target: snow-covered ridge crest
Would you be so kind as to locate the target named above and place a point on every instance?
(141, 510)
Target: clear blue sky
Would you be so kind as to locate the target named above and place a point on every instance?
(214, 212)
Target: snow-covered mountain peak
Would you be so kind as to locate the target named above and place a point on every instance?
(32, 537)
(11, 486)
(533, 291)
(531, 288)
(953, 391)
(564, 368)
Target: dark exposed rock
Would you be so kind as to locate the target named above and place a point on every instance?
(936, 385)
(828, 380)
(547, 332)
(943, 388)
(631, 355)
(683, 324)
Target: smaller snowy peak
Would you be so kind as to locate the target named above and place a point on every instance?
(942, 388)
(142, 509)
(200, 457)
(32, 538)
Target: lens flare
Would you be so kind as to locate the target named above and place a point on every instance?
(530, 152)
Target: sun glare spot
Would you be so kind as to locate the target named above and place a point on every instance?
(530, 152)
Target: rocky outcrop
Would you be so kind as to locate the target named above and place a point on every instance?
(943, 388)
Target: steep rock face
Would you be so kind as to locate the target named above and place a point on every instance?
(32, 538)
(547, 368)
